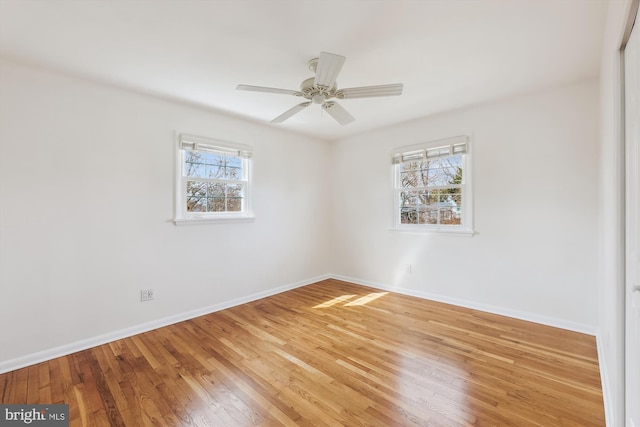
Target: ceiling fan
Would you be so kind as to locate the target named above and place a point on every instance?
(322, 88)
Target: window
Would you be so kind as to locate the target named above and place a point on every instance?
(213, 182)
(431, 186)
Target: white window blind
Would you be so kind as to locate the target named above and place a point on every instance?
(192, 142)
(431, 150)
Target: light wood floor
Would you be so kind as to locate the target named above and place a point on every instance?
(331, 353)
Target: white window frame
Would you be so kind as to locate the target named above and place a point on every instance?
(241, 151)
(430, 150)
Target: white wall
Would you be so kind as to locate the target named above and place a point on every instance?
(611, 211)
(86, 203)
(535, 165)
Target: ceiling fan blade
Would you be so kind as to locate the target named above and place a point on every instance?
(290, 112)
(336, 111)
(370, 91)
(329, 65)
(268, 90)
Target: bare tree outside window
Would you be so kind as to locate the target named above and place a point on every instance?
(212, 183)
(431, 191)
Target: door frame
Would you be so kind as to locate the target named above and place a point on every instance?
(632, 22)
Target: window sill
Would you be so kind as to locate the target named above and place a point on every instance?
(210, 220)
(444, 231)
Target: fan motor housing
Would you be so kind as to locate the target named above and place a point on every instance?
(317, 94)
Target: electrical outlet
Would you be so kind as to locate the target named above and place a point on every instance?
(146, 295)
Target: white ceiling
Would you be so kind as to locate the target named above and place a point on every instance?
(448, 53)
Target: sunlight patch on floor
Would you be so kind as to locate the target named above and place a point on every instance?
(367, 299)
(363, 300)
(334, 301)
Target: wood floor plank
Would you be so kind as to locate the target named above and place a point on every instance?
(328, 354)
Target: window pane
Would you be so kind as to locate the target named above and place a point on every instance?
(234, 190)
(437, 176)
(235, 193)
(435, 172)
(215, 171)
(195, 204)
(408, 166)
(194, 164)
(411, 173)
(449, 216)
(428, 215)
(214, 165)
(196, 189)
(423, 175)
(408, 216)
(451, 196)
(409, 179)
(233, 173)
(408, 198)
(234, 162)
(432, 197)
(216, 204)
(445, 171)
(200, 164)
(211, 158)
(216, 189)
(234, 204)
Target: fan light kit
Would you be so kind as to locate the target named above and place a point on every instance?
(323, 87)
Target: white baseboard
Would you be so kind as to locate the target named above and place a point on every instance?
(605, 381)
(516, 314)
(63, 350)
